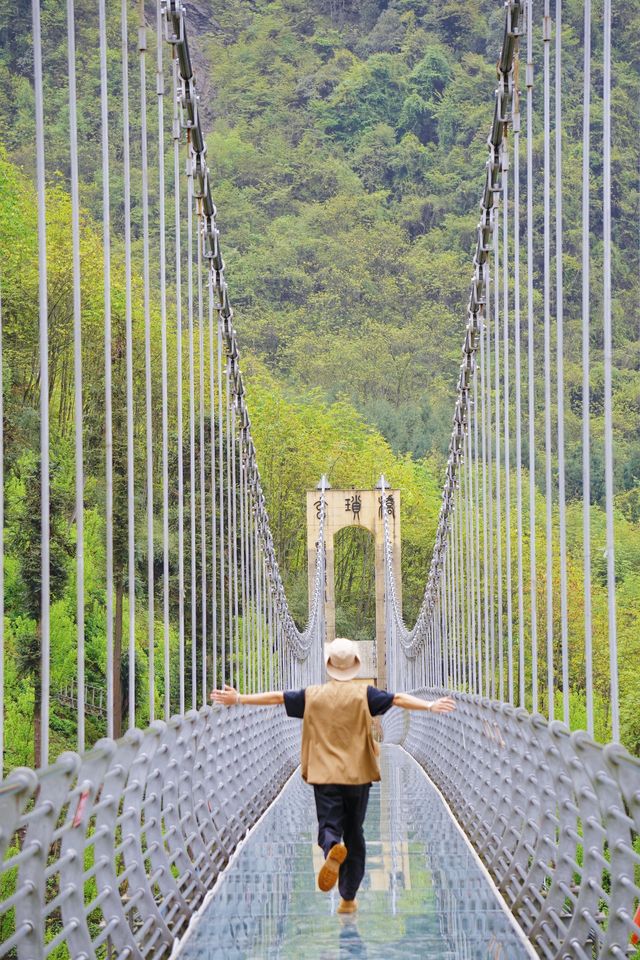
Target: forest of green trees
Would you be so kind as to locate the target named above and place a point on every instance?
(348, 143)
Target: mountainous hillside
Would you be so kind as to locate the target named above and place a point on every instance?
(349, 149)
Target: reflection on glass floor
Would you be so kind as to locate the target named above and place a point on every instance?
(424, 895)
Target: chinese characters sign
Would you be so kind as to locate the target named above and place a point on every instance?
(390, 505)
(353, 505)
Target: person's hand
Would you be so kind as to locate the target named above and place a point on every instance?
(227, 697)
(443, 705)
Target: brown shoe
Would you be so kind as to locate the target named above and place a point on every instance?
(331, 867)
(347, 906)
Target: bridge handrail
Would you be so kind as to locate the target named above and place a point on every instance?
(120, 845)
(554, 816)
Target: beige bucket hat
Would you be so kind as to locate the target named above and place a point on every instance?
(342, 659)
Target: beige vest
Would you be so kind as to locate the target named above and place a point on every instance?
(337, 742)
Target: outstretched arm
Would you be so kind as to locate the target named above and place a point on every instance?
(407, 702)
(229, 697)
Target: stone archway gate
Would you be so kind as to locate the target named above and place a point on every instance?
(364, 509)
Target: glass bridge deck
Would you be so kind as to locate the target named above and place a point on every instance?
(424, 894)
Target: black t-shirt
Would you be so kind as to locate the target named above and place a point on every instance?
(379, 702)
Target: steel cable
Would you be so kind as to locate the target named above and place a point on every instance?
(518, 377)
(2, 600)
(546, 293)
(77, 378)
(212, 465)
(108, 415)
(477, 524)
(498, 481)
(131, 544)
(607, 365)
(162, 257)
(531, 397)
(202, 479)
(148, 372)
(559, 311)
(506, 400)
(192, 427)
(586, 317)
(179, 401)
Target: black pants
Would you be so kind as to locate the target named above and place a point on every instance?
(341, 811)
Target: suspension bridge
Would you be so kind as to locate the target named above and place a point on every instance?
(497, 832)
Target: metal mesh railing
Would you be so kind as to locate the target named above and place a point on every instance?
(110, 854)
(554, 816)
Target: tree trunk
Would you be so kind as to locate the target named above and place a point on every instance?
(117, 661)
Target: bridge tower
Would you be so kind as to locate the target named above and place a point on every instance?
(356, 508)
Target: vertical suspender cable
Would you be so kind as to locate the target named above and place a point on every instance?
(531, 369)
(462, 672)
(270, 629)
(505, 404)
(77, 375)
(223, 652)
(491, 689)
(265, 594)
(227, 383)
(496, 333)
(1, 544)
(249, 561)
(214, 525)
(178, 277)
(446, 652)
(234, 527)
(131, 544)
(470, 564)
(43, 759)
(453, 609)
(518, 373)
(562, 525)
(247, 557)
(486, 533)
(243, 582)
(259, 604)
(165, 373)
(203, 481)
(547, 360)
(452, 601)
(443, 628)
(252, 582)
(607, 360)
(468, 574)
(476, 515)
(461, 584)
(192, 427)
(586, 412)
(106, 224)
(144, 168)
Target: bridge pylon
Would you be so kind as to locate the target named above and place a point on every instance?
(362, 509)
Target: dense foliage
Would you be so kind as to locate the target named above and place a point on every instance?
(348, 147)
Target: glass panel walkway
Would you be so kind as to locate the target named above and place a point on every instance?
(424, 895)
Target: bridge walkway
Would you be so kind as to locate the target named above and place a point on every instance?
(424, 896)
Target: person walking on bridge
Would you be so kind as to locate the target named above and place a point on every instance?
(339, 756)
